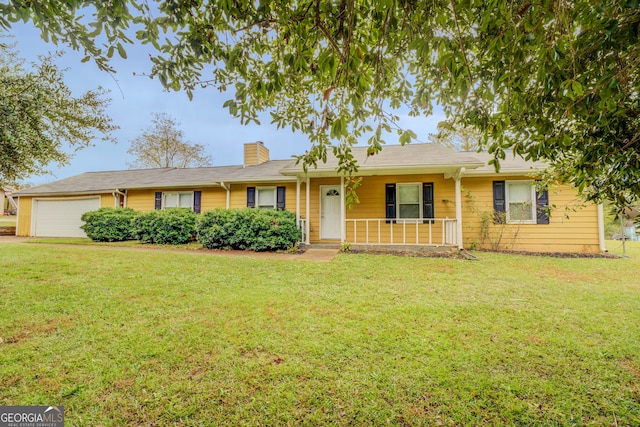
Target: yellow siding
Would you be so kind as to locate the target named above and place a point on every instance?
(314, 205)
(250, 156)
(141, 200)
(144, 200)
(372, 205)
(216, 197)
(239, 195)
(107, 201)
(255, 153)
(24, 216)
(569, 229)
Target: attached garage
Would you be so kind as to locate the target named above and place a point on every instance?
(60, 217)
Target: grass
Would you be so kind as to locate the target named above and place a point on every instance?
(171, 338)
(7, 221)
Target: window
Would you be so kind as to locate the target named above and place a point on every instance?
(409, 201)
(179, 199)
(520, 206)
(266, 197)
(518, 202)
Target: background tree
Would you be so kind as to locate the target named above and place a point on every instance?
(162, 145)
(458, 137)
(551, 79)
(40, 120)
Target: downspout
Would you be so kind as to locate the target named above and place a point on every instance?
(222, 184)
(603, 248)
(116, 199)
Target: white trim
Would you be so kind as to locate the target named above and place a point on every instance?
(321, 193)
(601, 240)
(18, 215)
(420, 201)
(458, 190)
(343, 214)
(532, 190)
(164, 198)
(34, 207)
(307, 225)
(298, 202)
(275, 196)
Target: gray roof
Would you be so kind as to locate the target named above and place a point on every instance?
(410, 157)
(511, 164)
(108, 181)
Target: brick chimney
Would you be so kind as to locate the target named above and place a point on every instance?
(255, 153)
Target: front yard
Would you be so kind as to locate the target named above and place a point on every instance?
(132, 338)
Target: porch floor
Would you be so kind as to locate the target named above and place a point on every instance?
(386, 248)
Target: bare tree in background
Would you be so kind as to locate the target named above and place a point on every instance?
(456, 136)
(162, 145)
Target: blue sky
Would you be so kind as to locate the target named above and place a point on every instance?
(135, 98)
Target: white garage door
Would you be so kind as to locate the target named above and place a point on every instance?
(61, 217)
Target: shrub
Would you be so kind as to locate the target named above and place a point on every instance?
(170, 226)
(252, 229)
(109, 224)
(215, 228)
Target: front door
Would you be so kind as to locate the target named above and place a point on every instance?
(330, 212)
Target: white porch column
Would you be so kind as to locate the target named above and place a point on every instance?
(343, 217)
(457, 178)
(307, 193)
(603, 248)
(298, 201)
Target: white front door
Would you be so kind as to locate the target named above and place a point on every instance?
(330, 211)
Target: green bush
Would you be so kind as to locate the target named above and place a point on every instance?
(109, 224)
(250, 229)
(215, 228)
(165, 227)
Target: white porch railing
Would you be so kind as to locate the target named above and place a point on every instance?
(302, 226)
(427, 232)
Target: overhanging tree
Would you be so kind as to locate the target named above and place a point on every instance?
(553, 80)
(162, 145)
(40, 120)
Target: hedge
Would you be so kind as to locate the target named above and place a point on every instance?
(109, 224)
(169, 226)
(248, 229)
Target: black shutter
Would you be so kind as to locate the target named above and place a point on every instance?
(251, 197)
(542, 205)
(197, 201)
(390, 197)
(280, 197)
(499, 202)
(158, 204)
(427, 201)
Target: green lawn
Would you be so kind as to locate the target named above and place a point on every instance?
(135, 338)
(7, 221)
